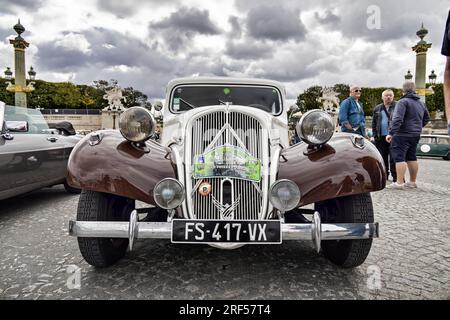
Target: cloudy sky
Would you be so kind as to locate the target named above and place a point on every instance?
(146, 43)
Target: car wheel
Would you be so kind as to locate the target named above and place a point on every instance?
(70, 189)
(447, 157)
(97, 206)
(352, 209)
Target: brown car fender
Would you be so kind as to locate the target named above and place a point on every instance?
(340, 168)
(104, 161)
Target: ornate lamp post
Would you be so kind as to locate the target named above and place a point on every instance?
(20, 88)
(408, 76)
(432, 78)
(421, 49)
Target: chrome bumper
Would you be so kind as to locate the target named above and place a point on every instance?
(314, 231)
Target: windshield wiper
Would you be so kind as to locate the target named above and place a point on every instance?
(187, 103)
(224, 102)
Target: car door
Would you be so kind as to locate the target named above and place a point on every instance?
(424, 146)
(443, 146)
(31, 159)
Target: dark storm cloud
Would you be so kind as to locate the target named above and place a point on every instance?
(275, 23)
(328, 18)
(188, 19)
(398, 19)
(108, 48)
(126, 8)
(248, 50)
(6, 34)
(236, 28)
(16, 6)
(182, 26)
(55, 58)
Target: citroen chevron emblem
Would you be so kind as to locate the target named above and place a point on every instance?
(226, 210)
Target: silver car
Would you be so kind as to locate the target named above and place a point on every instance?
(32, 155)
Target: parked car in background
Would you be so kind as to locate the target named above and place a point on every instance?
(434, 145)
(32, 155)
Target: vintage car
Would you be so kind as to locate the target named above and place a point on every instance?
(223, 174)
(32, 155)
(434, 145)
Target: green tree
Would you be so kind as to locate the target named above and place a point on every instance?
(435, 102)
(308, 99)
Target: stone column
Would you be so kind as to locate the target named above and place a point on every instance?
(421, 49)
(19, 45)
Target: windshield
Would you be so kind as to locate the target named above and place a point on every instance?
(36, 121)
(189, 97)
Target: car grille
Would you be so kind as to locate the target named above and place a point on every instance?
(247, 194)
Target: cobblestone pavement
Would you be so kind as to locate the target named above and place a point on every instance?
(412, 257)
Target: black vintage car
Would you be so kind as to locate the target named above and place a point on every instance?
(32, 155)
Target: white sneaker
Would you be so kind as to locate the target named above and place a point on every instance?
(411, 185)
(396, 185)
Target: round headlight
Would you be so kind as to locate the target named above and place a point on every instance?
(136, 124)
(168, 193)
(315, 127)
(284, 195)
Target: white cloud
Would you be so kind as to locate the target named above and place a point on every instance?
(74, 41)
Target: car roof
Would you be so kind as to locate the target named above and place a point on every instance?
(434, 136)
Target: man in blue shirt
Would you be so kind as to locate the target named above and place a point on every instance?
(381, 120)
(351, 113)
(446, 52)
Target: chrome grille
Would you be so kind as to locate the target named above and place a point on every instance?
(205, 134)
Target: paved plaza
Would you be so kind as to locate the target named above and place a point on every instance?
(410, 260)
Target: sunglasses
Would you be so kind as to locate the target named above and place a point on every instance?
(357, 90)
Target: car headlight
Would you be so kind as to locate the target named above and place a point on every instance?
(284, 195)
(169, 193)
(316, 127)
(137, 124)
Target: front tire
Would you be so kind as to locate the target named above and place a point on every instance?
(97, 206)
(351, 209)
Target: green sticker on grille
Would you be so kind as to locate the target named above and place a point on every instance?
(227, 161)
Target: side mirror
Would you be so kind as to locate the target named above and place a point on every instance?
(17, 126)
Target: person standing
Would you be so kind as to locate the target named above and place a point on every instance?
(381, 119)
(410, 116)
(351, 113)
(446, 52)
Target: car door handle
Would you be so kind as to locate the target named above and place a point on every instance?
(52, 139)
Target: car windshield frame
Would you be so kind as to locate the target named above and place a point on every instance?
(220, 100)
(35, 119)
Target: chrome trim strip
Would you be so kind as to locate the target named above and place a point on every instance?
(163, 230)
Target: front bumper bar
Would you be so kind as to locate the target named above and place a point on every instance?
(314, 231)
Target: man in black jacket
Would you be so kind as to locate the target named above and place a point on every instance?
(381, 119)
(409, 117)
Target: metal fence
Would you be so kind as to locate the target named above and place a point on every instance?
(71, 111)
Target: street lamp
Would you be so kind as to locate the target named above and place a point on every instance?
(114, 111)
(432, 78)
(408, 76)
(8, 74)
(32, 74)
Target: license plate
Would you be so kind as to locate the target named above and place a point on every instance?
(224, 231)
